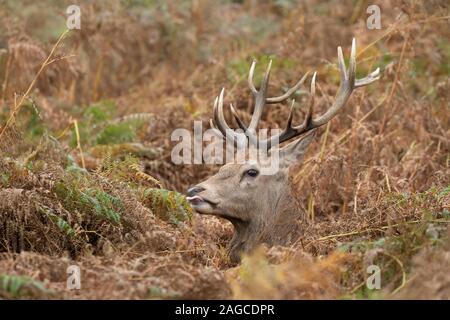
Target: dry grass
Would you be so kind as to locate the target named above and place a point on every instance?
(85, 150)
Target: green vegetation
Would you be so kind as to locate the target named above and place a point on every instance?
(168, 205)
(15, 287)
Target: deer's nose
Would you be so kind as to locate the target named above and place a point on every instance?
(192, 191)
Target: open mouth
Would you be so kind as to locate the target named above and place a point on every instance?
(197, 200)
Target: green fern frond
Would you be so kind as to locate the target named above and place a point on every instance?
(18, 286)
(168, 205)
(102, 203)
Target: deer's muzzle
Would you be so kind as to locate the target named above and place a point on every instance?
(198, 202)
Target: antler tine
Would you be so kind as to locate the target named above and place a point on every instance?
(236, 117)
(250, 78)
(218, 122)
(216, 131)
(372, 77)
(288, 93)
(342, 64)
(289, 132)
(291, 115)
(352, 66)
(348, 84)
(260, 99)
(345, 89)
(218, 114)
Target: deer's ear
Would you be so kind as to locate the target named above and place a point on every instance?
(295, 150)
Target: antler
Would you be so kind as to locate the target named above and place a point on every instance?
(218, 122)
(261, 96)
(348, 84)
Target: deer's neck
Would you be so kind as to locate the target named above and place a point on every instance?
(277, 225)
(286, 214)
(246, 237)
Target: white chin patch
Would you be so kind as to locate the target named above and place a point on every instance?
(198, 204)
(203, 207)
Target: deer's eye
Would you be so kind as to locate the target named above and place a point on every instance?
(252, 172)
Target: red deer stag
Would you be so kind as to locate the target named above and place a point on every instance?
(261, 206)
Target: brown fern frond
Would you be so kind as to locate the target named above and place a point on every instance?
(144, 176)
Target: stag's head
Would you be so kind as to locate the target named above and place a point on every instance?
(257, 202)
